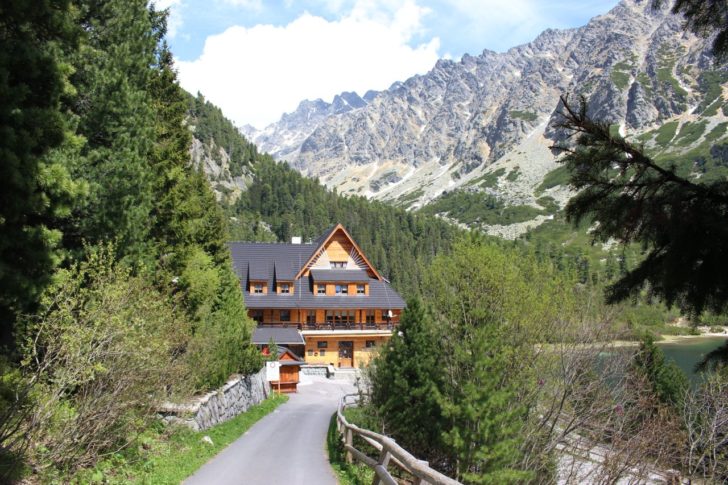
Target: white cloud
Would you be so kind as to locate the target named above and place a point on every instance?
(255, 74)
(255, 5)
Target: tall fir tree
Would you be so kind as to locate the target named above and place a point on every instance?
(34, 188)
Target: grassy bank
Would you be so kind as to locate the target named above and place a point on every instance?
(169, 454)
(348, 474)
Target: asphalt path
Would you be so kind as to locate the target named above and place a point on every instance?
(287, 447)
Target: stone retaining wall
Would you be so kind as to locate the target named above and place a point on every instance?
(235, 397)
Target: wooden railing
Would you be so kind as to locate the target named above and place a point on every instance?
(333, 326)
(389, 452)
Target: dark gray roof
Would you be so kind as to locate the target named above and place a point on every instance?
(344, 275)
(280, 335)
(275, 261)
(381, 295)
(264, 261)
(282, 350)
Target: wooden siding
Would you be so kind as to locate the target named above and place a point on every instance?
(261, 282)
(362, 355)
(291, 287)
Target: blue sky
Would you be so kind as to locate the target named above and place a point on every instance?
(258, 58)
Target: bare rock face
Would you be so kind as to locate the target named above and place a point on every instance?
(436, 131)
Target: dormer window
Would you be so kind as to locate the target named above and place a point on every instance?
(258, 288)
(320, 289)
(338, 264)
(285, 287)
(342, 290)
(360, 289)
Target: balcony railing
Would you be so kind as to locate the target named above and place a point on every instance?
(333, 326)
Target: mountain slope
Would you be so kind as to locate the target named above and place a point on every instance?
(462, 123)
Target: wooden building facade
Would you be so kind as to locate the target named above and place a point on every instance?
(326, 290)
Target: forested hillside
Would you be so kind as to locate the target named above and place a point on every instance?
(278, 202)
(116, 288)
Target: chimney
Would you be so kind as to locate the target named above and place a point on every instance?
(296, 240)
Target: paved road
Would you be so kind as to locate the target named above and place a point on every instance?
(287, 447)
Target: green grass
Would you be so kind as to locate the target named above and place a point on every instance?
(614, 130)
(169, 454)
(479, 207)
(513, 174)
(488, 180)
(718, 132)
(690, 133)
(666, 133)
(667, 61)
(348, 474)
(558, 176)
(710, 83)
(523, 115)
(645, 82)
(620, 79)
(407, 199)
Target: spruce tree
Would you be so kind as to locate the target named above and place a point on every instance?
(35, 189)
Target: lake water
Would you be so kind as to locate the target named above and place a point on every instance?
(686, 353)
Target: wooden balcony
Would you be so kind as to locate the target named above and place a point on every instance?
(334, 326)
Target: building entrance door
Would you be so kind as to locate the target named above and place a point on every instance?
(346, 353)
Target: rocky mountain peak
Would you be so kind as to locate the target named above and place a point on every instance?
(443, 129)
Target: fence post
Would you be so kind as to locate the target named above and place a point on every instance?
(384, 457)
(349, 440)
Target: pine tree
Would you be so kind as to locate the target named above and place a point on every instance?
(405, 378)
(680, 222)
(34, 188)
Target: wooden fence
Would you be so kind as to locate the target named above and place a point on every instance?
(389, 452)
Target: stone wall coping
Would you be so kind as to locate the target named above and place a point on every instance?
(194, 403)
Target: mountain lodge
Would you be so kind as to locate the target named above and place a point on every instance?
(323, 300)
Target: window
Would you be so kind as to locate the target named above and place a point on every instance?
(310, 352)
(311, 316)
(370, 343)
(257, 315)
(359, 289)
(342, 289)
(329, 316)
(370, 316)
(338, 264)
(257, 288)
(285, 288)
(322, 352)
(320, 289)
(322, 344)
(285, 315)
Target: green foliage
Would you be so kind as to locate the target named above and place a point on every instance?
(489, 180)
(719, 131)
(34, 188)
(704, 18)
(100, 354)
(405, 378)
(213, 129)
(679, 222)
(523, 115)
(666, 133)
(690, 133)
(513, 174)
(167, 455)
(479, 208)
(397, 242)
(463, 363)
(619, 78)
(668, 382)
(347, 473)
(556, 177)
